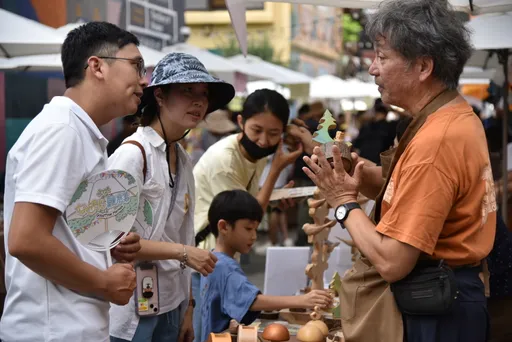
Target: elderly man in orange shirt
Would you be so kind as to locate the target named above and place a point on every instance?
(436, 210)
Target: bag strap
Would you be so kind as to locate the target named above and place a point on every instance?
(139, 145)
(414, 126)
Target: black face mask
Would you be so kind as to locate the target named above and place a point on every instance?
(255, 151)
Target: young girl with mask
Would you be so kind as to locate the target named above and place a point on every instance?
(237, 162)
(179, 97)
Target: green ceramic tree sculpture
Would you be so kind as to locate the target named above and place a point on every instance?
(335, 286)
(327, 122)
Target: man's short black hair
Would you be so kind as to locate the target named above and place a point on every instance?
(96, 38)
(231, 206)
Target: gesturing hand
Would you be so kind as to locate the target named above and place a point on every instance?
(283, 159)
(337, 186)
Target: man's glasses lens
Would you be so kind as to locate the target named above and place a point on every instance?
(141, 67)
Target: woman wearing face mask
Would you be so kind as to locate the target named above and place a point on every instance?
(237, 162)
(180, 95)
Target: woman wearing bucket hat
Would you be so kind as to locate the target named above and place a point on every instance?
(179, 97)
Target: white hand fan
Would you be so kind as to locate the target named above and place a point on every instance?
(103, 210)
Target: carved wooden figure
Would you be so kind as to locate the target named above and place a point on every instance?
(318, 231)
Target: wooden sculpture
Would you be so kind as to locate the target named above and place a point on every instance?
(318, 231)
(225, 337)
(247, 333)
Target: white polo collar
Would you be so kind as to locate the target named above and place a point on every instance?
(81, 114)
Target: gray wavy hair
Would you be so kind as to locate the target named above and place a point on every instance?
(424, 28)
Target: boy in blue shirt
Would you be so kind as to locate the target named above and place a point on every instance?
(226, 293)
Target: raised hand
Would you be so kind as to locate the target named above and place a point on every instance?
(337, 186)
(283, 159)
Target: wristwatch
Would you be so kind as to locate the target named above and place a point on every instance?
(192, 303)
(343, 210)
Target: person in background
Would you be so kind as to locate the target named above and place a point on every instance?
(278, 220)
(218, 125)
(376, 135)
(130, 124)
(58, 289)
(227, 293)
(300, 179)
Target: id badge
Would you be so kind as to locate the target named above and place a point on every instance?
(146, 294)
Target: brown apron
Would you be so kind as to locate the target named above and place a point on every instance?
(368, 308)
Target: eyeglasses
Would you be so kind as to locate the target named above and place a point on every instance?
(138, 62)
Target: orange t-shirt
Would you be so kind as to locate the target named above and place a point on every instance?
(440, 198)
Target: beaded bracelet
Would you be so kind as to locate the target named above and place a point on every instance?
(183, 263)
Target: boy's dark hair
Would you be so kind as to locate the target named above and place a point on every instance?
(231, 206)
(266, 100)
(96, 38)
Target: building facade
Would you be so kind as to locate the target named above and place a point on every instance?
(316, 39)
(211, 28)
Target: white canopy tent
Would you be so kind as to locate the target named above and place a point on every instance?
(255, 85)
(220, 66)
(475, 75)
(327, 87)
(297, 82)
(332, 87)
(20, 36)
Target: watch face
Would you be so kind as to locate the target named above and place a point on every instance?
(341, 212)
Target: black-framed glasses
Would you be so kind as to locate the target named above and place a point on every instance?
(138, 62)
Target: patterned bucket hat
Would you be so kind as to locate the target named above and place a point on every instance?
(179, 68)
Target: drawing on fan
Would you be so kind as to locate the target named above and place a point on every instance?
(103, 209)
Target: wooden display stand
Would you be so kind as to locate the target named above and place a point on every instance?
(318, 233)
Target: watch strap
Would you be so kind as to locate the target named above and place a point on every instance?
(352, 205)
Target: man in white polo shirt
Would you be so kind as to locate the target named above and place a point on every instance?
(58, 290)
